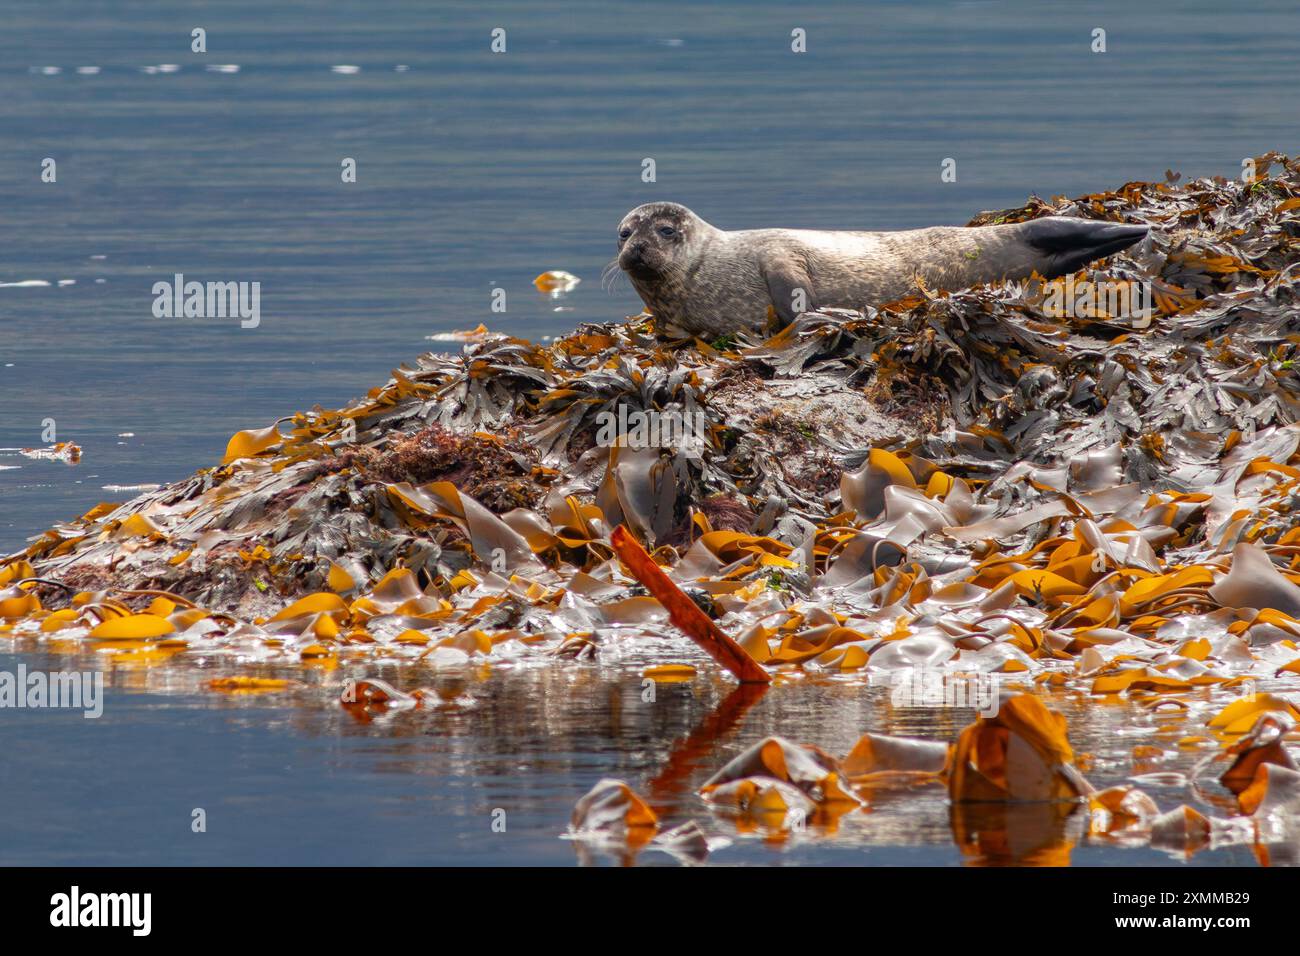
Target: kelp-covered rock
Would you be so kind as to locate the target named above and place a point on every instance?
(506, 438)
(973, 480)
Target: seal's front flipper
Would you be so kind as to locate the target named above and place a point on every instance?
(790, 290)
(1062, 245)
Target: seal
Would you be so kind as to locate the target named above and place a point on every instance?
(710, 282)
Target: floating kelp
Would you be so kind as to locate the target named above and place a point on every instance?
(614, 816)
(1001, 486)
(1016, 765)
(1021, 753)
(64, 451)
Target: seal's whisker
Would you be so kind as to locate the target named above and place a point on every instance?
(610, 275)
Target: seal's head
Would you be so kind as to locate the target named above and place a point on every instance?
(656, 240)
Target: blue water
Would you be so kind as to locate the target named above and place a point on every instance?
(308, 784)
(475, 171)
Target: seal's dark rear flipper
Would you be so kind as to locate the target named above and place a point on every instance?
(1064, 245)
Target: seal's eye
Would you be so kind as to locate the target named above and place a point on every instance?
(624, 232)
(667, 231)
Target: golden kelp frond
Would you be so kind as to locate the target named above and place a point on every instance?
(877, 754)
(1021, 753)
(808, 770)
(612, 803)
(613, 806)
(1262, 745)
(1274, 789)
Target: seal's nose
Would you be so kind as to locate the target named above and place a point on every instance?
(633, 254)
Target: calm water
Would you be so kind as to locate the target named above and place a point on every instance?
(309, 784)
(476, 171)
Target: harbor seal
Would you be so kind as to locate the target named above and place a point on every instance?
(710, 282)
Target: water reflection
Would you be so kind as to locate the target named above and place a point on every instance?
(668, 788)
(1001, 834)
(530, 738)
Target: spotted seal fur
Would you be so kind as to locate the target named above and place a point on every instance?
(710, 282)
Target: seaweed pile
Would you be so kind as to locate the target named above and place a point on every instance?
(964, 481)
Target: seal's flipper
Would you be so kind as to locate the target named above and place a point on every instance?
(790, 289)
(1062, 245)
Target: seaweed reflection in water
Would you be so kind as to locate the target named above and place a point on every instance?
(531, 738)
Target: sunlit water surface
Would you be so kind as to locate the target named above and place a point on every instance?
(293, 777)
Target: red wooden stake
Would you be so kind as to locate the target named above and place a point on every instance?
(684, 613)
